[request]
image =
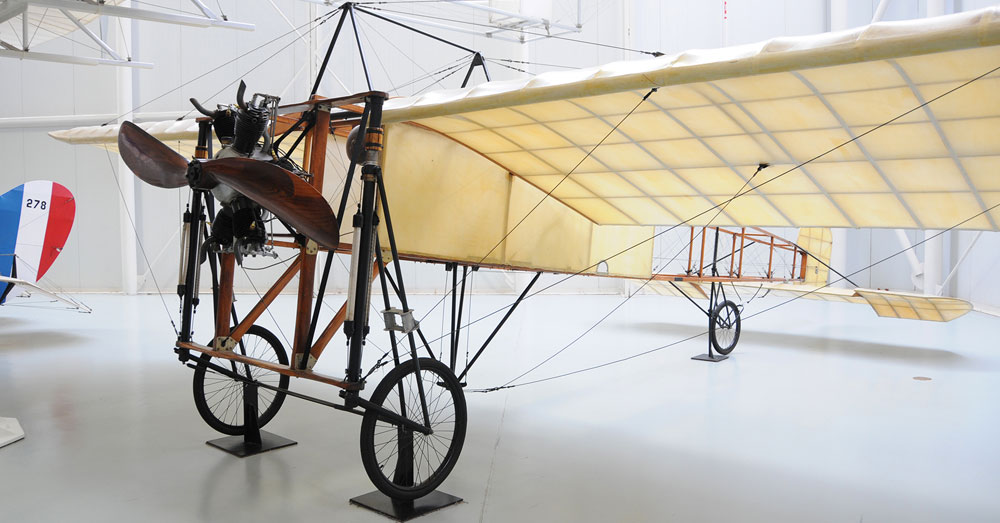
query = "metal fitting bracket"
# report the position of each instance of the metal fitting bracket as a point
(405, 324)
(224, 343)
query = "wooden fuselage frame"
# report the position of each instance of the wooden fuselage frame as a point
(303, 265)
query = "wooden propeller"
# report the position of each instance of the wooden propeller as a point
(281, 192)
(150, 159)
(277, 190)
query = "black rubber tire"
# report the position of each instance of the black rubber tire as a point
(219, 399)
(378, 436)
(724, 327)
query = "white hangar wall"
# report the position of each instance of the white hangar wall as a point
(37, 97)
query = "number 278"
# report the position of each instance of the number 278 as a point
(35, 204)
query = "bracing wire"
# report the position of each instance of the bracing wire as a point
(493, 27)
(320, 19)
(629, 297)
(556, 186)
(138, 241)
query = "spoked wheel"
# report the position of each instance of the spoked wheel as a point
(404, 464)
(724, 327)
(220, 398)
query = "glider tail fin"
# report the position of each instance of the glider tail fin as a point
(818, 242)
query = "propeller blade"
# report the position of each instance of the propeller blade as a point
(150, 159)
(282, 193)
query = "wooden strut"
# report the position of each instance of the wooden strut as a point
(227, 262)
(276, 367)
(315, 164)
(735, 274)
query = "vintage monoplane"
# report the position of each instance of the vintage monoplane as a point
(892, 125)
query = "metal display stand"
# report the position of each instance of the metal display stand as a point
(404, 510)
(713, 296)
(253, 441)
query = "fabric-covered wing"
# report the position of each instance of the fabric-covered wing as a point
(718, 113)
(887, 304)
(914, 306)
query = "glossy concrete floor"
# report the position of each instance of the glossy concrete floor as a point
(816, 417)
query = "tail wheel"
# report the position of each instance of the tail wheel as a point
(219, 398)
(404, 464)
(724, 327)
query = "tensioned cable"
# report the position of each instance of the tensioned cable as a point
(121, 29)
(443, 78)
(268, 309)
(511, 67)
(594, 367)
(254, 68)
(378, 58)
(138, 241)
(546, 35)
(321, 19)
(644, 283)
(407, 56)
(64, 37)
(35, 32)
(556, 186)
(744, 192)
(525, 62)
(20, 38)
(462, 62)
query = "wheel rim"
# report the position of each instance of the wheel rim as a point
(726, 318)
(223, 396)
(431, 453)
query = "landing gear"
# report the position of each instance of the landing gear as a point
(404, 464)
(724, 327)
(220, 398)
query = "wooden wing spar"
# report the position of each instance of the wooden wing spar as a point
(894, 125)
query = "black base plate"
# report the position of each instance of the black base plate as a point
(404, 510)
(714, 358)
(236, 445)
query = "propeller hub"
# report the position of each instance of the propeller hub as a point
(198, 179)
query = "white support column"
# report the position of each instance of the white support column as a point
(126, 180)
(24, 29)
(838, 251)
(933, 261)
(934, 245)
(838, 15)
(935, 8)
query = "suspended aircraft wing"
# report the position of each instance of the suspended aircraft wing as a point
(564, 170)
(718, 113)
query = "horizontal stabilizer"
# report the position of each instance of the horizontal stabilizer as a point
(887, 304)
